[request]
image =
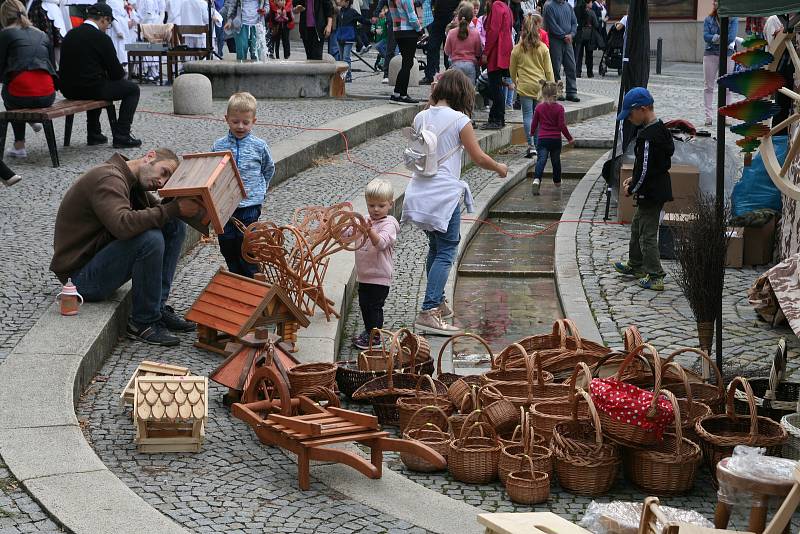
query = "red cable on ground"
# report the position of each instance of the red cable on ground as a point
(369, 167)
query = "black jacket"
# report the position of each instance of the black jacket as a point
(23, 49)
(323, 9)
(87, 58)
(651, 184)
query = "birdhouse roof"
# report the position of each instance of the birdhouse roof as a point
(234, 304)
(170, 399)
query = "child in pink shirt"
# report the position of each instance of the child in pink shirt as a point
(374, 260)
(549, 118)
(463, 44)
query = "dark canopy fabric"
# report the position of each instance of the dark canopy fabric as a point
(756, 8)
(636, 70)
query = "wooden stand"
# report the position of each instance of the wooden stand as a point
(528, 523)
(148, 368)
(170, 413)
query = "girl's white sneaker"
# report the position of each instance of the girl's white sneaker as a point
(17, 152)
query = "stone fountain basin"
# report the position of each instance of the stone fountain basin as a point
(272, 79)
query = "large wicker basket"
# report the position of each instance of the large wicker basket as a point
(449, 378)
(528, 485)
(711, 395)
(473, 459)
(535, 391)
(514, 379)
(791, 423)
(669, 467)
(408, 407)
(429, 434)
(719, 434)
(376, 358)
(573, 349)
(584, 464)
(690, 410)
(621, 430)
(545, 414)
(309, 375)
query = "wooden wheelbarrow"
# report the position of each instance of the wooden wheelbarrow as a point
(309, 433)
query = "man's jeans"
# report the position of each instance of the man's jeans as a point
(148, 260)
(442, 247)
(562, 53)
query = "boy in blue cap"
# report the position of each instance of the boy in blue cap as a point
(650, 187)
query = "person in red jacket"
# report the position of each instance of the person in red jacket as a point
(497, 57)
(281, 22)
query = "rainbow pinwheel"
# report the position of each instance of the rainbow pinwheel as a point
(753, 59)
(751, 110)
(757, 83)
(747, 129)
(754, 41)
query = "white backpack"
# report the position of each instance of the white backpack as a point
(420, 155)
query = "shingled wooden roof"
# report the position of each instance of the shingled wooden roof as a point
(171, 398)
(233, 304)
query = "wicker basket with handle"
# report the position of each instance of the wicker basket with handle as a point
(719, 434)
(535, 390)
(669, 467)
(711, 395)
(469, 404)
(583, 463)
(515, 380)
(791, 423)
(408, 407)
(528, 486)
(690, 409)
(473, 459)
(512, 456)
(502, 414)
(376, 358)
(429, 434)
(309, 375)
(449, 378)
(544, 415)
(573, 349)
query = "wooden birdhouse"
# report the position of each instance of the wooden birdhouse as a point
(213, 179)
(148, 368)
(170, 413)
(232, 305)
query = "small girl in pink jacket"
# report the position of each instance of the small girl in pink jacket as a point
(375, 259)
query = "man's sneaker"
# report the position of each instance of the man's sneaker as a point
(491, 125)
(622, 267)
(426, 81)
(430, 322)
(361, 341)
(11, 181)
(445, 311)
(154, 334)
(174, 322)
(537, 183)
(573, 98)
(93, 139)
(126, 141)
(656, 283)
(385, 81)
(17, 153)
(531, 153)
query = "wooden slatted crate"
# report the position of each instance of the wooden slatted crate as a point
(148, 368)
(170, 413)
(213, 179)
(231, 305)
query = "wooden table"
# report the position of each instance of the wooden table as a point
(528, 523)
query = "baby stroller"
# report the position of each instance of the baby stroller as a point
(612, 55)
(422, 46)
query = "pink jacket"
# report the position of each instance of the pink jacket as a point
(468, 49)
(498, 36)
(374, 263)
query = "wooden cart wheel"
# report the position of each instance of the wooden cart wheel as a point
(267, 384)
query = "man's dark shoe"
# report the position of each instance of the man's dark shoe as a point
(573, 98)
(174, 322)
(492, 126)
(96, 139)
(127, 141)
(154, 334)
(561, 98)
(425, 81)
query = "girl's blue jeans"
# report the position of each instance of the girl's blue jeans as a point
(548, 148)
(442, 247)
(508, 93)
(344, 55)
(528, 107)
(246, 41)
(467, 67)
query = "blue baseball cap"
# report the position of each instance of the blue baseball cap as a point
(635, 98)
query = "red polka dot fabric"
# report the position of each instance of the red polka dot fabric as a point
(630, 404)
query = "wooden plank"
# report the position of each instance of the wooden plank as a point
(225, 302)
(362, 419)
(528, 523)
(235, 294)
(304, 427)
(348, 437)
(212, 321)
(247, 285)
(224, 314)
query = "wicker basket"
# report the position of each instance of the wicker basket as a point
(375, 358)
(309, 375)
(544, 415)
(428, 434)
(461, 388)
(583, 463)
(690, 410)
(515, 437)
(709, 394)
(791, 423)
(474, 459)
(528, 486)
(449, 378)
(619, 430)
(774, 397)
(719, 434)
(502, 414)
(469, 403)
(574, 349)
(535, 390)
(518, 375)
(414, 347)
(408, 407)
(667, 468)
(513, 457)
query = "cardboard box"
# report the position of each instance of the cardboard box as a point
(759, 244)
(735, 248)
(685, 186)
(518, 136)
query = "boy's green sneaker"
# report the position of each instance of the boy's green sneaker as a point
(622, 267)
(656, 283)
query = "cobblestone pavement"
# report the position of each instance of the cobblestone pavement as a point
(18, 512)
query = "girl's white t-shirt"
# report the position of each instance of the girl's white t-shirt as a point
(429, 201)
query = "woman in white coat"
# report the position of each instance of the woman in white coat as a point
(121, 30)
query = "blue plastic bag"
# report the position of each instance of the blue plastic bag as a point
(755, 190)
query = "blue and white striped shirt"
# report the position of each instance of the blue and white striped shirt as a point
(254, 161)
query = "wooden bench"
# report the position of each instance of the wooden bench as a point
(61, 108)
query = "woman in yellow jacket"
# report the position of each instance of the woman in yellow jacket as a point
(530, 63)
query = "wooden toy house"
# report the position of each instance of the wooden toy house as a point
(148, 368)
(170, 413)
(213, 179)
(232, 305)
